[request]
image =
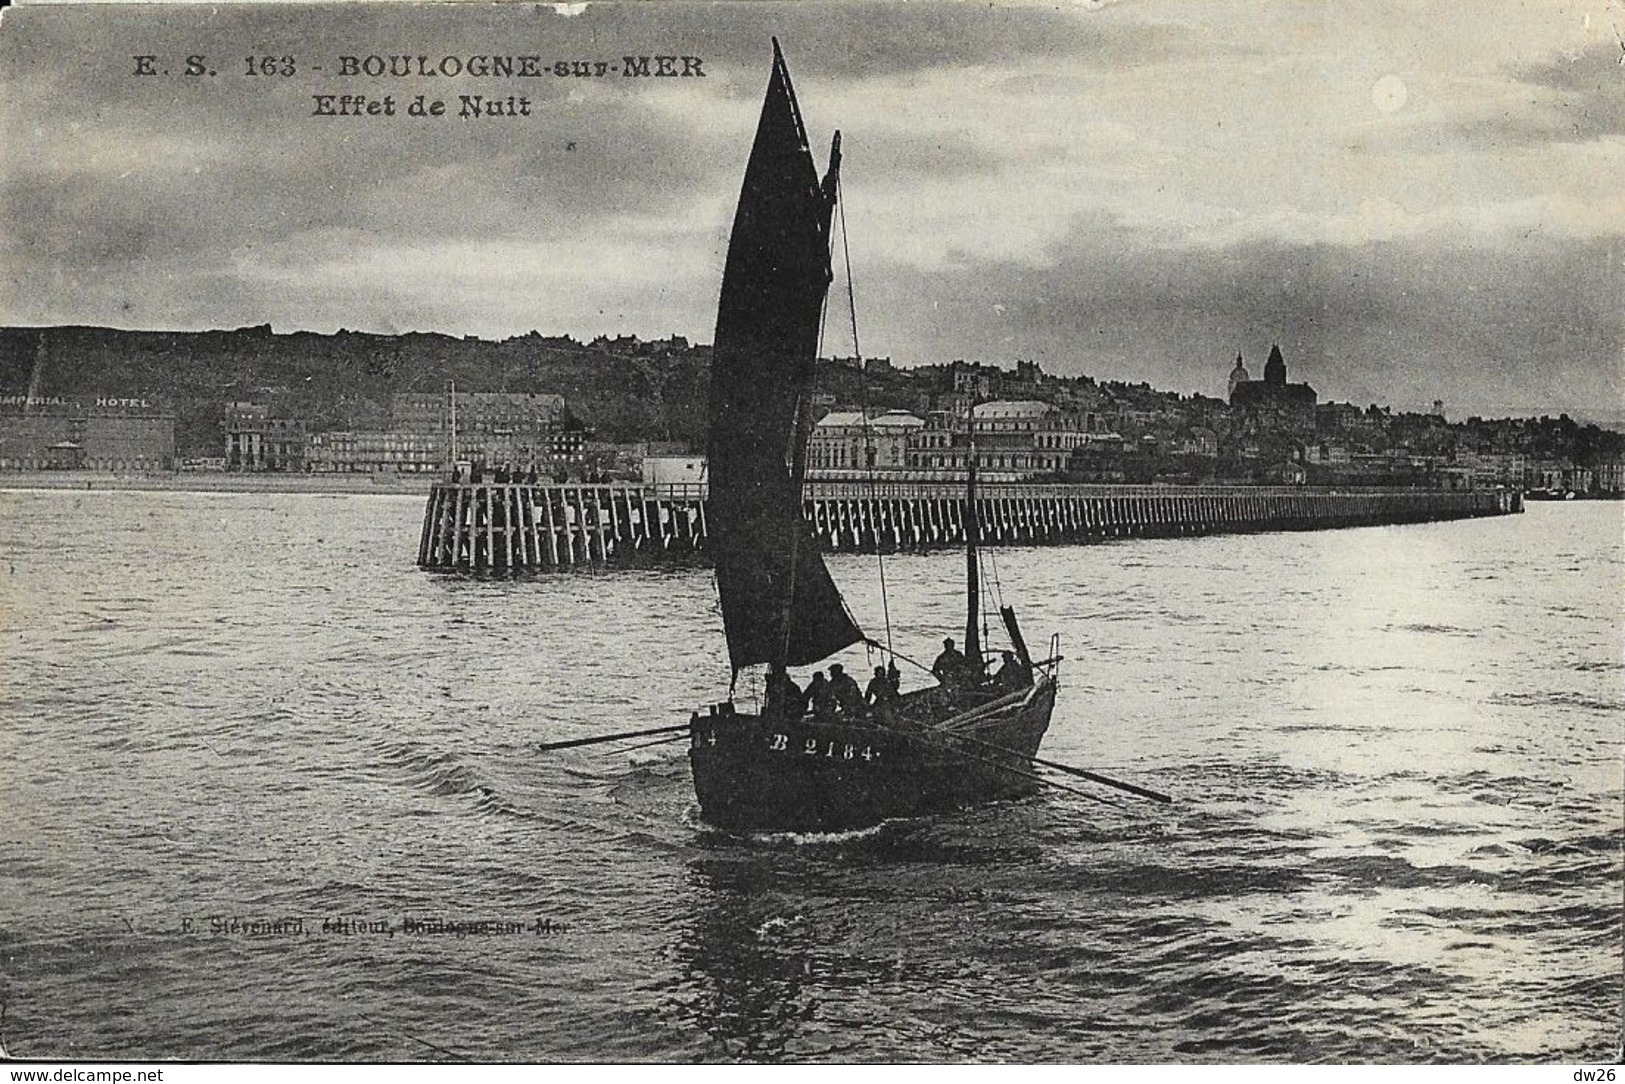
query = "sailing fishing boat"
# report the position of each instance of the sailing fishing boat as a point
(950, 745)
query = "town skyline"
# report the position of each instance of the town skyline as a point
(1414, 204)
(321, 403)
(1218, 390)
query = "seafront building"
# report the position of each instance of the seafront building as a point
(854, 440)
(521, 429)
(345, 451)
(86, 432)
(1016, 437)
(514, 430)
(258, 440)
(673, 469)
(1015, 440)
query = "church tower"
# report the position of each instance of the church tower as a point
(1275, 368)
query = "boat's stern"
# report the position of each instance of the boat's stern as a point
(801, 774)
(810, 774)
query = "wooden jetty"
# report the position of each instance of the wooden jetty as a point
(503, 526)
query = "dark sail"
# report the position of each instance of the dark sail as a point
(779, 604)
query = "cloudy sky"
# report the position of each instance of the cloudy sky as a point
(1416, 200)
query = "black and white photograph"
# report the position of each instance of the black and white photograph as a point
(840, 532)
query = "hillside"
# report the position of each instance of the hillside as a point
(623, 391)
(627, 390)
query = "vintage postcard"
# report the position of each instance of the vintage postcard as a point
(836, 532)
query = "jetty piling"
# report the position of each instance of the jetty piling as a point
(503, 526)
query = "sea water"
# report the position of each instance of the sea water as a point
(267, 791)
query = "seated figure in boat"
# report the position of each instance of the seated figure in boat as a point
(1012, 674)
(950, 667)
(820, 698)
(884, 699)
(783, 697)
(882, 690)
(848, 697)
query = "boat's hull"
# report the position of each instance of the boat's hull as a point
(811, 775)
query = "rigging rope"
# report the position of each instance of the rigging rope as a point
(998, 585)
(863, 386)
(801, 497)
(982, 556)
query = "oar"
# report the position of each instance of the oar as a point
(1007, 768)
(658, 741)
(546, 745)
(1069, 769)
(981, 709)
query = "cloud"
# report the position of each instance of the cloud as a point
(1137, 190)
(1487, 328)
(1587, 99)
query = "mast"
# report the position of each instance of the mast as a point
(798, 481)
(973, 530)
(802, 430)
(454, 426)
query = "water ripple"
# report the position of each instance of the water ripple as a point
(1396, 837)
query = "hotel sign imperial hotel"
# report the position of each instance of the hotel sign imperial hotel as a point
(86, 432)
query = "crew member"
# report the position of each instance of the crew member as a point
(950, 667)
(1013, 674)
(783, 696)
(820, 697)
(842, 686)
(881, 690)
